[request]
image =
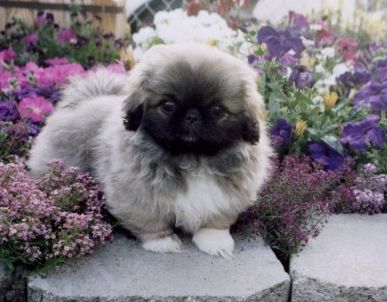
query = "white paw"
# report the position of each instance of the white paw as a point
(214, 242)
(169, 244)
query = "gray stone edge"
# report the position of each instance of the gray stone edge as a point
(277, 293)
(314, 290)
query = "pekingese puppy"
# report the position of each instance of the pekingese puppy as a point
(181, 142)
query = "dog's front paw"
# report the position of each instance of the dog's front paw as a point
(168, 244)
(214, 242)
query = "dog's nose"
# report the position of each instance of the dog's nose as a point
(192, 116)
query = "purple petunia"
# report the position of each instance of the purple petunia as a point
(373, 95)
(321, 151)
(279, 42)
(281, 133)
(359, 135)
(301, 77)
(8, 111)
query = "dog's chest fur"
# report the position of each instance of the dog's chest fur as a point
(203, 198)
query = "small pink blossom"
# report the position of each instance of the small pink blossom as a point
(7, 55)
(35, 108)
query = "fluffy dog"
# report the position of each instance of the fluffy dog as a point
(181, 142)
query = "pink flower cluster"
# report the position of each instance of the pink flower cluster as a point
(369, 191)
(51, 219)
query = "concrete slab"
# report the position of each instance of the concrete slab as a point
(346, 262)
(122, 271)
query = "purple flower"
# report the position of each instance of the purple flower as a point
(279, 42)
(361, 77)
(321, 151)
(381, 70)
(359, 135)
(32, 39)
(7, 55)
(281, 132)
(8, 111)
(33, 129)
(66, 36)
(40, 19)
(251, 59)
(301, 77)
(373, 95)
(288, 59)
(298, 21)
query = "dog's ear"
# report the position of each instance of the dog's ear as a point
(134, 106)
(133, 118)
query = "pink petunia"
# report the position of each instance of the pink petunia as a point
(57, 75)
(35, 108)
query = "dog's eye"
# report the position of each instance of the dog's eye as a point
(168, 106)
(217, 111)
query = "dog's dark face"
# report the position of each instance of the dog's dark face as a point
(190, 110)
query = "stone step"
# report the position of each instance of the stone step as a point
(122, 271)
(346, 262)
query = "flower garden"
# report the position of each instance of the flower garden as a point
(325, 89)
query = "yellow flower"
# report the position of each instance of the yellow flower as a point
(301, 126)
(212, 42)
(263, 46)
(330, 99)
(307, 61)
(126, 56)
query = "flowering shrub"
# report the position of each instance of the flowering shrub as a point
(293, 205)
(84, 42)
(46, 221)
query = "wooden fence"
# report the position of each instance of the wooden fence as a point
(112, 12)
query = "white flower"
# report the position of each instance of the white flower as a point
(176, 26)
(328, 52)
(340, 69)
(145, 34)
(315, 27)
(307, 42)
